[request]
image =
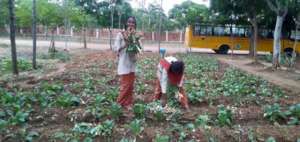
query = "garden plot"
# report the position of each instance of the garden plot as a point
(79, 105)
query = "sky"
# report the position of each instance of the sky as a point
(167, 4)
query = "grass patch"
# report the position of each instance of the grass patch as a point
(62, 56)
(6, 65)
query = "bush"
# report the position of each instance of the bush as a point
(6, 65)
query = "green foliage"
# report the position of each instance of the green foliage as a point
(116, 110)
(202, 120)
(133, 44)
(161, 138)
(157, 110)
(271, 139)
(6, 65)
(104, 129)
(67, 100)
(189, 12)
(224, 116)
(31, 135)
(139, 110)
(136, 127)
(61, 55)
(274, 113)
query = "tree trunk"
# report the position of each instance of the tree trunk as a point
(46, 32)
(255, 27)
(112, 26)
(120, 17)
(277, 42)
(251, 51)
(52, 49)
(34, 34)
(11, 4)
(84, 38)
(294, 56)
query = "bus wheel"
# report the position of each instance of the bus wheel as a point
(216, 51)
(223, 49)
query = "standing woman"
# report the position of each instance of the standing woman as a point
(126, 63)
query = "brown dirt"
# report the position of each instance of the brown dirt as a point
(47, 122)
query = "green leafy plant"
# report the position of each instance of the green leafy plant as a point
(139, 110)
(133, 43)
(274, 113)
(6, 65)
(157, 110)
(224, 116)
(136, 127)
(161, 138)
(67, 100)
(104, 129)
(115, 110)
(82, 128)
(202, 120)
(271, 139)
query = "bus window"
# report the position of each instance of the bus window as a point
(241, 32)
(196, 31)
(209, 31)
(203, 30)
(219, 31)
(227, 31)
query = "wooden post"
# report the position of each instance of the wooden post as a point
(167, 36)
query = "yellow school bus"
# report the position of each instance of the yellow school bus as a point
(221, 39)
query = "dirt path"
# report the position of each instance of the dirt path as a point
(287, 80)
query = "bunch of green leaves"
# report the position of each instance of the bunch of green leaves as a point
(196, 66)
(161, 138)
(171, 96)
(6, 65)
(136, 127)
(104, 129)
(139, 110)
(274, 113)
(180, 129)
(133, 43)
(202, 121)
(115, 110)
(66, 100)
(15, 108)
(196, 96)
(157, 110)
(224, 116)
(294, 114)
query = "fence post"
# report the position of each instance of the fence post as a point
(72, 32)
(153, 36)
(57, 30)
(180, 37)
(167, 36)
(97, 33)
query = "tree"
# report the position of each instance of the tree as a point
(4, 13)
(34, 33)
(188, 12)
(11, 7)
(280, 7)
(295, 8)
